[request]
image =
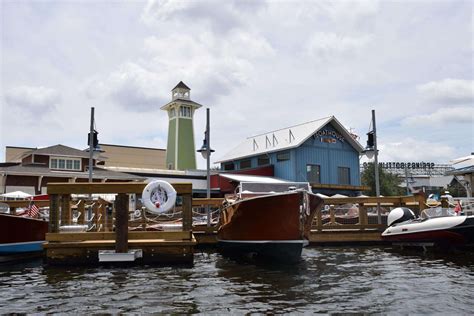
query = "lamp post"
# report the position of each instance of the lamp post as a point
(91, 144)
(206, 151)
(371, 151)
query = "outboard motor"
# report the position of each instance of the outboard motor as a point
(400, 214)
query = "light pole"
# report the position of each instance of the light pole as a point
(206, 151)
(371, 151)
(91, 144)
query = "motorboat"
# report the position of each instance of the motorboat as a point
(267, 221)
(21, 234)
(435, 227)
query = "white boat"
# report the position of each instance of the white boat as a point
(436, 226)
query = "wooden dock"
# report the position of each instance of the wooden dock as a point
(331, 226)
(162, 247)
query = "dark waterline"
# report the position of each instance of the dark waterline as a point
(328, 280)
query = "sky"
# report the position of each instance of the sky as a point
(258, 65)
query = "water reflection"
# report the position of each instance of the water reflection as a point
(332, 279)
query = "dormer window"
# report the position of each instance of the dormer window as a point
(65, 163)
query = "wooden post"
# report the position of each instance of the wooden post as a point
(53, 213)
(65, 209)
(143, 219)
(363, 218)
(332, 215)
(121, 223)
(187, 212)
(420, 197)
(444, 202)
(81, 209)
(319, 218)
(95, 210)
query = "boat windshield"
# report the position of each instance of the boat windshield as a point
(260, 188)
(437, 212)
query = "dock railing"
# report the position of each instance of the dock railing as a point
(117, 229)
(352, 213)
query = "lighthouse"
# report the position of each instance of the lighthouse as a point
(180, 149)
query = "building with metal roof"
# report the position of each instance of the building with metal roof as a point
(322, 152)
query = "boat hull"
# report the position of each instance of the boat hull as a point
(21, 234)
(275, 226)
(443, 231)
(288, 251)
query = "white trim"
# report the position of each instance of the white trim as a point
(65, 163)
(176, 145)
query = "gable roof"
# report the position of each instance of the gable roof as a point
(58, 150)
(286, 138)
(182, 86)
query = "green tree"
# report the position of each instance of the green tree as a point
(389, 183)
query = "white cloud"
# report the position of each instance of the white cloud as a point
(448, 91)
(37, 100)
(132, 86)
(326, 46)
(221, 16)
(219, 65)
(444, 117)
(416, 150)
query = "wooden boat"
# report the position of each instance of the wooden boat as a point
(21, 234)
(268, 225)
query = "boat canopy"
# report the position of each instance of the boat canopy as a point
(261, 187)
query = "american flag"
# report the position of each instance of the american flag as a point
(33, 210)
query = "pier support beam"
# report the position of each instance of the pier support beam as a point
(121, 223)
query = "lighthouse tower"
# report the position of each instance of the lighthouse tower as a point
(180, 150)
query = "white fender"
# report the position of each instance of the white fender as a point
(159, 196)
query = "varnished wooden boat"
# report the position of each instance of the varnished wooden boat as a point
(21, 234)
(274, 226)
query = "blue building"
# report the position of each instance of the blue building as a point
(322, 152)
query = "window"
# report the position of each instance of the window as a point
(245, 164)
(343, 175)
(229, 166)
(313, 173)
(172, 112)
(283, 156)
(185, 111)
(263, 160)
(65, 163)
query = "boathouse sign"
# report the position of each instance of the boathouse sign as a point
(328, 136)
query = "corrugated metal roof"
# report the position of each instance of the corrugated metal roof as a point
(286, 138)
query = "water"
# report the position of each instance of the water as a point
(328, 280)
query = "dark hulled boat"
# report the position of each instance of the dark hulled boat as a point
(274, 226)
(21, 234)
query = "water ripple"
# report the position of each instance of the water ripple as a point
(328, 280)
